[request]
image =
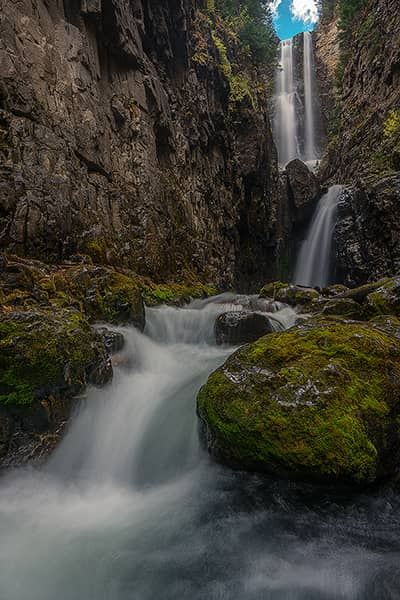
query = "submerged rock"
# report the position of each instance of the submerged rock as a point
(319, 402)
(239, 327)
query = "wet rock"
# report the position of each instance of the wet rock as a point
(239, 327)
(47, 357)
(114, 341)
(385, 299)
(345, 307)
(304, 189)
(318, 402)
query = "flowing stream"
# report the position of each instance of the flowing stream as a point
(130, 507)
(314, 264)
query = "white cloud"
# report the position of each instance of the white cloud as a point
(304, 10)
(274, 5)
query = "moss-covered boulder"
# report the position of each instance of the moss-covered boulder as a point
(320, 402)
(47, 356)
(271, 289)
(345, 307)
(385, 300)
(48, 352)
(290, 294)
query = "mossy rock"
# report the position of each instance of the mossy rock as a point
(334, 290)
(359, 294)
(271, 289)
(48, 352)
(345, 307)
(385, 300)
(320, 402)
(175, 293)
(297, 295)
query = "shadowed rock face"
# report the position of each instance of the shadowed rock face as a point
(240, 327)
(114, 142)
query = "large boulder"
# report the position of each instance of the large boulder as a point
(303, 188)
(290, 293)
(320, 402)
(47, 357)
(239, 327)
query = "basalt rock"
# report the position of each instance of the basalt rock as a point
(320, 402)
(367, 234)
(47, 357)
(303, 190)
(239, 327)
(119, 138)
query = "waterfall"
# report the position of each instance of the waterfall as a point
(285, 122)
(295, 113)
(310, 152)
(313, 267)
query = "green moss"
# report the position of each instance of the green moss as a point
(315, 402)
(97, 250)
(41, 350)
(171, 292)
(270, 289)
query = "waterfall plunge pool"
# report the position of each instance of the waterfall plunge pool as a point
(130, 507)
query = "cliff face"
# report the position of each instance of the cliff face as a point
(362, 143)
(118, 138)
(362, 107)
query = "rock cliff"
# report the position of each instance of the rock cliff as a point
(119, 138)
(358, 67)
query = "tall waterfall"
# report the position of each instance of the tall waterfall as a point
(314, 263)
(310, 151)
(296, 103)
(285, 122)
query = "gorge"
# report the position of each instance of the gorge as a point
(162, 436)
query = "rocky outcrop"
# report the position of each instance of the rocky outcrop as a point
(47, 357)
(239, 327)
(367, 234)
(303, 190)
(299, 404)
(119, 138)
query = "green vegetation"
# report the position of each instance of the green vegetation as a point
(43, 352)
(174, 293)
(386, 158)
(316, 402)
(235, 37)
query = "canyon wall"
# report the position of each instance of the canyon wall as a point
(360, 83)
(120, 138)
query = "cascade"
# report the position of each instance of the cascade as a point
(295, 114)
(314, 264)
(131, 506)
(310, 151)
(285, 121)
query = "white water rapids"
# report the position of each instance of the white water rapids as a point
(130, 507)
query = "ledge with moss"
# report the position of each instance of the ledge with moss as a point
(320, 402)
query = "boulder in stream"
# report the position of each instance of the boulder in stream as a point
(240, 327)
(319, 402)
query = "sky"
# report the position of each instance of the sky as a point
(293, 16)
